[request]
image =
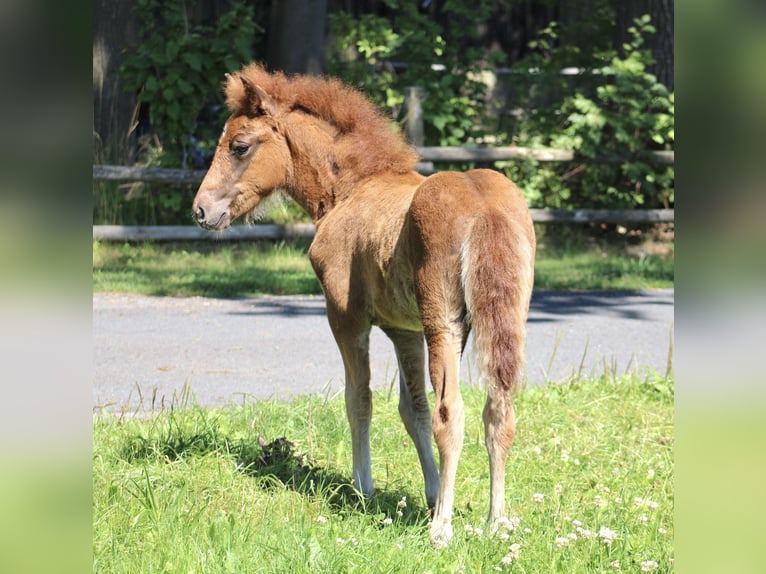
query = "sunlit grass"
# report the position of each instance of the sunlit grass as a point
(265, 487)
(234, 269)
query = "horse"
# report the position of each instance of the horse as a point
(422, 258)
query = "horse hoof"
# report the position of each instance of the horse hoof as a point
(441, 534)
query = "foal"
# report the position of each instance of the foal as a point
(419, 257)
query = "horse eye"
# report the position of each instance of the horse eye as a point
(239, 149)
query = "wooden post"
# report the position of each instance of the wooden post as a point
(413, 119)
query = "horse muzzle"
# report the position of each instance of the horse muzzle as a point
(210, 218)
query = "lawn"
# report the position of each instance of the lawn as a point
(244, 269)
(264, 487)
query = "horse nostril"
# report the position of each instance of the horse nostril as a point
(200, 215)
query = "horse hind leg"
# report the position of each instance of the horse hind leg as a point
(499, 430)
(448, 423)
(413, 403)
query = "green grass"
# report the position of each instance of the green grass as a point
(194, 490)
(211, 269)
(224, 269)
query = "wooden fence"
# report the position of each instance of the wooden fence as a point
(429, 155)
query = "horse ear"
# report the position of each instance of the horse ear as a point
(256, 100)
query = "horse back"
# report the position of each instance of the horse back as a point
(446, 204)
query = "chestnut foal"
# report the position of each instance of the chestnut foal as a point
(432, 257)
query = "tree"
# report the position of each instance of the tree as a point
(113, 107)
(297, 35)
(660, 43)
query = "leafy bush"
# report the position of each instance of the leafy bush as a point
(628, 115)
(177, 68)
(442, 59)
(613, 108)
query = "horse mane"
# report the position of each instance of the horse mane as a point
(367, 143)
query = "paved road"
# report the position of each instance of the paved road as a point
(147, 348)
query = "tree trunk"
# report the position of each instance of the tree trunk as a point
(113, 28)
(296, 36)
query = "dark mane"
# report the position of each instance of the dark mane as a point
(367, 141)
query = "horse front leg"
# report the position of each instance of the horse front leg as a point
(413, 403)
(354, 343)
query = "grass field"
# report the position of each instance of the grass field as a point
(224, 269)
(264, 487)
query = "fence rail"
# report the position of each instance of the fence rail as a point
(429, 155)
(306, 230)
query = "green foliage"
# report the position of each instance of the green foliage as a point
(177, 68)
(441, 59)
(627, 116)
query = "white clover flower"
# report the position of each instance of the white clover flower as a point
(527, 531)
(599, 501)
(564, 456)
(650, 473)
(473, 531)
(504, 536)
(651, 505)
(399, 513)
(576, 523)
(661, 530)
(537, 450)
(340, 540)
(387, 521)
(537, 497)
(638, 501)
(558, 488)
(576, 462)
(561, 541)
(507, 559)
(606, 535)
(615, 564)
(402, 503)
(504, 522)
(649, 565)
(643, 519)
(586, 534)
(322, 519)
(572, 536)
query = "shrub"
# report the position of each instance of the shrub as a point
(629, 115)
(177, 69)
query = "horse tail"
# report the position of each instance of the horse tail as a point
(497, 273)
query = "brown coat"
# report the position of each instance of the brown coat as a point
(422, 258)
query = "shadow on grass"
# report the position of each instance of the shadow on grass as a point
(208, 269)
(276, 465)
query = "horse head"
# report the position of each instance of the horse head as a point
(251, 161)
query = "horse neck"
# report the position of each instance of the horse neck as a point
(315, 182)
